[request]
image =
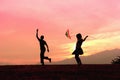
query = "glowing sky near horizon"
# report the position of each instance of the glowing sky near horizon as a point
(19, 19)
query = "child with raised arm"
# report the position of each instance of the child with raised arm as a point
(78, 51)
(42, 43)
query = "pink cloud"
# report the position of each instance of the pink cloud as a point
(81, 14)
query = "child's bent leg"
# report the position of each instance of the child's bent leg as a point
(48, 59)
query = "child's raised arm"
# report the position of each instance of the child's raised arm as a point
(85, 38)
(37, 34)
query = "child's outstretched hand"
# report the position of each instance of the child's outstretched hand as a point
(85, 38)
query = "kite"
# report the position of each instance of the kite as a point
(68, 34)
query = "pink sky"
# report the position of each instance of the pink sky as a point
(99, 19)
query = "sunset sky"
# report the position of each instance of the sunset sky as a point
(19, 19)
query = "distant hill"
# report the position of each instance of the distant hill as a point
(104, 57)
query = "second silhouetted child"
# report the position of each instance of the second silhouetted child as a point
(78, 51)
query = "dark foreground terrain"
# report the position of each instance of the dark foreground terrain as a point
(60, 72)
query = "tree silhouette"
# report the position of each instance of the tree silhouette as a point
(116, 60)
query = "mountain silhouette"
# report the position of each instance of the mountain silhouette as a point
(104, 57)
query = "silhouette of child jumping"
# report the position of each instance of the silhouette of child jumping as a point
(42, 43)
(78, 51)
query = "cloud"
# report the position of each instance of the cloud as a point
(7, 32)
(113, 26)
(79, 13)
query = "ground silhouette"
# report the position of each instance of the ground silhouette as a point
(60, 72)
